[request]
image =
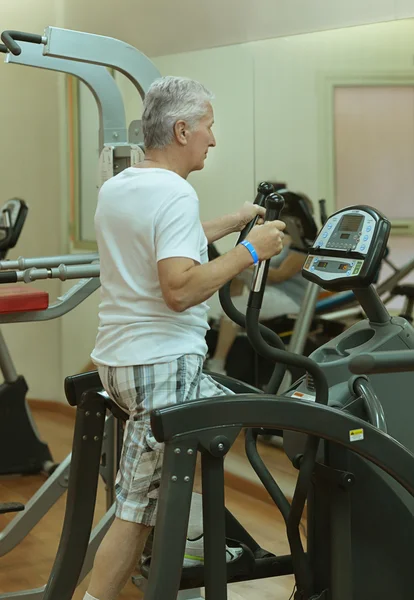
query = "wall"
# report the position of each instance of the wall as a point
(30, 169)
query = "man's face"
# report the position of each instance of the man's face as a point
(201, 139)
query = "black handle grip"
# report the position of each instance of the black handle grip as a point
(8, 277)
(10, 38)
(263, 190)
(399, 361)
(322, 211)
(274, 206)
(4, 49)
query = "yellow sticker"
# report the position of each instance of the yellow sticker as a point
(356, 435)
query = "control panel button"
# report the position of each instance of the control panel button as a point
(365, 238)
(362, 248)
(369, 228)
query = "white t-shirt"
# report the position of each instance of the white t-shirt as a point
(143, 216)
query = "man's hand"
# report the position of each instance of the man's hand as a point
(248, 212)
(267, 239)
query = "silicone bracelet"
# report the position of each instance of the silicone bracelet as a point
(251, 249)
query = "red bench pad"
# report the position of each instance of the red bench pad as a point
(20, 298)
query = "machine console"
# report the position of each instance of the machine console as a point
(349, 249)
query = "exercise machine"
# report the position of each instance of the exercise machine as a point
(358, 482)
(21, 450)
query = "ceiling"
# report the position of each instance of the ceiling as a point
(159, 27)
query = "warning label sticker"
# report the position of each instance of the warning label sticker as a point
(356, 435)
(301, 396)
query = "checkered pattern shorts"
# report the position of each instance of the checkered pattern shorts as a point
(139, 390)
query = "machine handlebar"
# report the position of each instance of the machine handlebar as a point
(263, 191)
(10, 39)
(8, 277)
(383, 362)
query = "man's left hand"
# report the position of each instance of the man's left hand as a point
(248, 212)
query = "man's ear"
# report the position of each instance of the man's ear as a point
(181, 132)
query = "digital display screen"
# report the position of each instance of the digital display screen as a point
(350, 223)
(322, 264)
(345, 236)
(343, 267)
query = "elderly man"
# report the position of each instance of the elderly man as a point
(155, 278)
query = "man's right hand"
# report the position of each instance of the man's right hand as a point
(267, 239)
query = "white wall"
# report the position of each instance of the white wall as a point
(30, 169)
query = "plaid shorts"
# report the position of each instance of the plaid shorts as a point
(139, 390)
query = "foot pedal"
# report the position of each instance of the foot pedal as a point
(193, 577)
(6, 507)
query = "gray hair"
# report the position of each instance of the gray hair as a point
(168, 100)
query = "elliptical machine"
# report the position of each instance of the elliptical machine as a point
(359, 482)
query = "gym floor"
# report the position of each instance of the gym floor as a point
(28, 565)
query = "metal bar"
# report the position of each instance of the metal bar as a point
(70, 300)
(302, 327)
(372, 305)
(372, 404)
(113, 128)
(102, 50)
(278, 412)
(304, 320)
(6, 362)
(176, 487)
(341, 532)
(48, 262)
(35, 509)
(214, 527)
(34, 594)
(398, 361)
(80, 505)
(61, 272)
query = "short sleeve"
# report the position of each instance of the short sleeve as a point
(178, 229)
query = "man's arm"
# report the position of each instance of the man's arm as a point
(222, 226)
(185, 283)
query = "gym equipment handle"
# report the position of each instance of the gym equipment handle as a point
(8, 277)
(3, 49)
(399, 361)
(9, 38)
(372, 404)
(322, 211)
(274, 206)
(263, 190)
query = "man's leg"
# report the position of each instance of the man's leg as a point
(136, 484)
(117, 558)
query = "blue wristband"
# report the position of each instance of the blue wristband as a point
(251, 249)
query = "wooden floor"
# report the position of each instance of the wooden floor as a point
(28, 565)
